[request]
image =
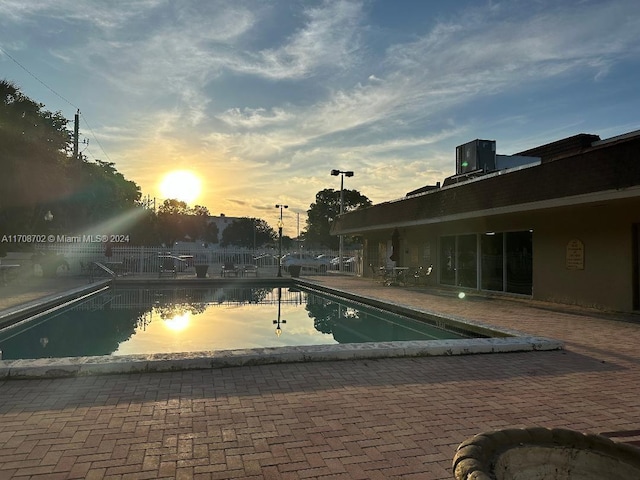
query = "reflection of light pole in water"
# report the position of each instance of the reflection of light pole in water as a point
(278, 321)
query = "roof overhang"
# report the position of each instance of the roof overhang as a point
(575, 200)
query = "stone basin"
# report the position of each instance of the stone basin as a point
(544, 454)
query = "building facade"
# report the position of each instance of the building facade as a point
(559, 223)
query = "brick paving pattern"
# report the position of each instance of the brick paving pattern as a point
(364, 419)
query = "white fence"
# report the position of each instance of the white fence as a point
(146, 260)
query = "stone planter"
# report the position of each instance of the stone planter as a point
(294, 270)
(49, 263)
(543, 454)
(201, 271)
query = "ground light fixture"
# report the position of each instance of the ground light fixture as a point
(280, 225)
(342, 173)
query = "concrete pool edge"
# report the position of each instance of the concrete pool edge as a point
(12, 315)
(101, 365)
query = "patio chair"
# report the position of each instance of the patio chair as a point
(381, 274)
(425, 273)
(400, 277)
(229, 268)
(167, 267)
(250, 270)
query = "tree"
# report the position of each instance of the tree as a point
(178, 221)
(97, 193)
(33, 143)
(325, 210)
(248, 232)
(39, 175)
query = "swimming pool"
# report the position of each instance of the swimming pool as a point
(149, 300)
(156, 320)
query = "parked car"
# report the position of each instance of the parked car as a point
(348, 263)
(265, 260)
(306, 260)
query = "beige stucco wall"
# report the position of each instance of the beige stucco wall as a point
(606, 281)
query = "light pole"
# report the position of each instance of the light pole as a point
(342, 174)
(280, 225)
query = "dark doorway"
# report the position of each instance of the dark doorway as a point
(467, 261)
(492, 248)
(519, 246)
(448, 260)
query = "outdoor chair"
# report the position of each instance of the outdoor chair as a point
(381, 274)
(419, 275)
(229, 268)
(250, 270)
(399, 278)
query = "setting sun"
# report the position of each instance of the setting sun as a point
(182, 185)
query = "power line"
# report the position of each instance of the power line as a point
(59, 96)
(34, 76)
(95, 138)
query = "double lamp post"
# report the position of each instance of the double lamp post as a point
(342, 174)
(280, 225)
(335, 173)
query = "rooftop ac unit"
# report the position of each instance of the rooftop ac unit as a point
(476, 155)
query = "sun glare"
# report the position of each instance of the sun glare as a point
(178, 322)
(182, 185)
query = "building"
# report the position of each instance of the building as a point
(222, 222)
(559, 222)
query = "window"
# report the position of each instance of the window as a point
(491, 246)
(467, 261)
(519, 262)
(448, 260)
(506, 261)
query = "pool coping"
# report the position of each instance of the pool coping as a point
(14, 314)
(512, 341)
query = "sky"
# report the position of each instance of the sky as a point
(262, 99)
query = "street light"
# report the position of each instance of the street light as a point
(342, 174)
(280, 225)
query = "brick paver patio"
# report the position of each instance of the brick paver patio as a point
(365, 419)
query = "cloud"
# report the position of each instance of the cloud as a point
(327, 40)
(489, 50)
(255, 118)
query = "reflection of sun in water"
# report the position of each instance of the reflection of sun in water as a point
(182, 185)
(178, 323)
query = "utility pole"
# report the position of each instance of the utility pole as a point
(76, 134)
(300, 247)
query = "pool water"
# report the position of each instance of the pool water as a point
(123, 321)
